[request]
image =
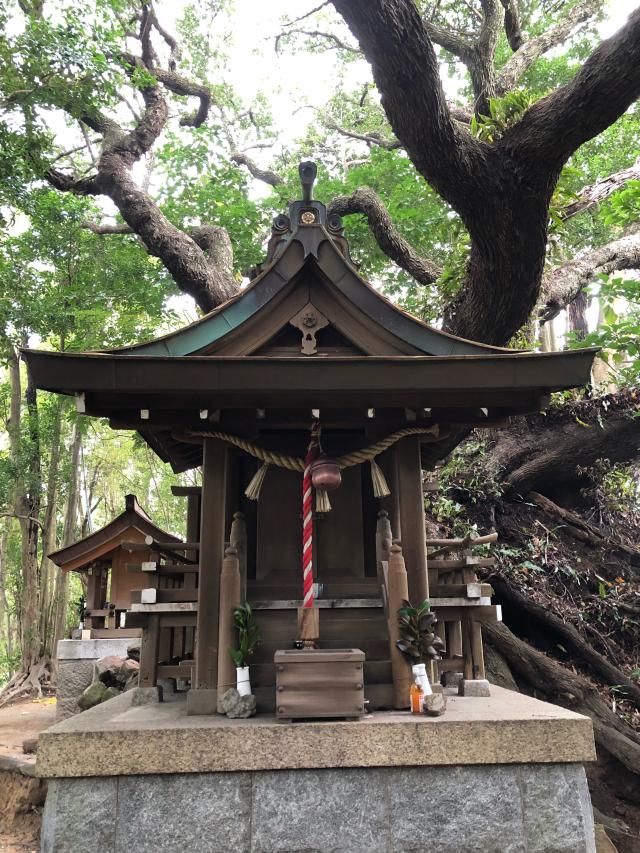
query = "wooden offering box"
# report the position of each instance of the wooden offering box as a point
(319, 683)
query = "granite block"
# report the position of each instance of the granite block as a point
(79, 816)
(202, 702)
(199, 812)
(519, 808)
(557, 809)
(66, 708)
(320, 811)
(92, 649)
(74, 676)
(467, 809)
(477, 688)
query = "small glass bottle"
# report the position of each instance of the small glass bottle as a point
(416, 697)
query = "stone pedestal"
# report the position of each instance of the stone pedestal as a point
(502, 774)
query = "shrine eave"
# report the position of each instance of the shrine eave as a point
(82, 553)
(216, 381)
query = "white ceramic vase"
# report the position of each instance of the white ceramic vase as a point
(420, 675)
(243, 685)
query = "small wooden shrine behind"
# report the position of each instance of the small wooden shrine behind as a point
(105, 567)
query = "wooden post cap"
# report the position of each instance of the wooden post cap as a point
(231, 550)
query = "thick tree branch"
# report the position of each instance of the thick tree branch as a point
(593, 195)
(405, 68)
(371, 138)
(456, 44)
(527, 53)
(96, 228)
(338, 43)
(364, 200)
(512, 24)
(267, 176)
(181, 86)
(561, 285)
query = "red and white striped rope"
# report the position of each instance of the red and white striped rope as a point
(307, 516)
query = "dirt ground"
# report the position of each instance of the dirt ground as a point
(21, 833)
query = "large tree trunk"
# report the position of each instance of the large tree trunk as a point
(61, 597)
(31, 640)
(47, 568)
(526, 458)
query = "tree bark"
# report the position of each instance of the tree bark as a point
(30, 637)
(47, 568)
(524, 459)
(61, 594)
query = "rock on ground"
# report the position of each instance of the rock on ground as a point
(236, 706)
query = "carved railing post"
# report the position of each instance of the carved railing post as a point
(397, 591)
(383, 545)
(238, 538)
(229, 598)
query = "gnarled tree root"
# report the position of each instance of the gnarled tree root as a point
(563, 687)
(26, 684)
(599, 664)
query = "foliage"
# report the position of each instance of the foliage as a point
(618, 333)
(416, 625)
(248, 635)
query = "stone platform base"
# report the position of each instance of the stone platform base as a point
(520, 808)
(493, 775)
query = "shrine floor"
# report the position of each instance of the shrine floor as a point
(496, 774)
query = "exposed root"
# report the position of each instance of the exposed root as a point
(563, 687)
(26, 684)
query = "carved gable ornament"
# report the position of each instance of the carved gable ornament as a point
(309, 321)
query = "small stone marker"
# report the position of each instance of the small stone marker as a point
(478, 687)
(236, 706)
(435, 705)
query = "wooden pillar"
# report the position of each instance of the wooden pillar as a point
(475, 630)
(149, 652)
(396, 592)
(412, 520)
(238, 538)
(201, 699)
(230, 586)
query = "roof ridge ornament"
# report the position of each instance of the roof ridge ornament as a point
(307, 222)
(308, 172)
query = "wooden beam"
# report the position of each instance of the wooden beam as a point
(214, 477)
(412, 519)
(186, 491)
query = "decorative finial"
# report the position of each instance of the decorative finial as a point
(308, 171)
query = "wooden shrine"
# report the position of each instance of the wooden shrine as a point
(105, 566)
(307, 341)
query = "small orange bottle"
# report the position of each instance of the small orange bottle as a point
(416, 696)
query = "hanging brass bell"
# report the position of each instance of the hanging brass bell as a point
(325, 473)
